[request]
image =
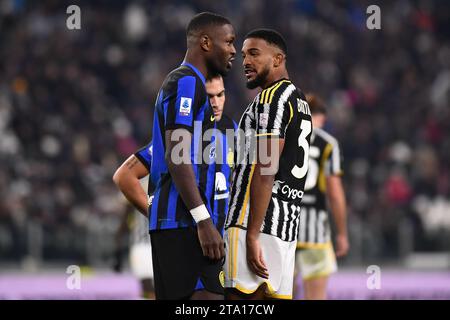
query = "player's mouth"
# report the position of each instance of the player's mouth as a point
(249, 73)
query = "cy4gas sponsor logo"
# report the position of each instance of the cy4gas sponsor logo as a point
(291, 193)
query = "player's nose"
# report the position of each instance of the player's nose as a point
(233, 50)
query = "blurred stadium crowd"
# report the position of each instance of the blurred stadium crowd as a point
(75, 103)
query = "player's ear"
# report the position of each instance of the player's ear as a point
(278, 59)
(205, 42)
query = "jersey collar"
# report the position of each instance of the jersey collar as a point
(276, 82)
(201, 76)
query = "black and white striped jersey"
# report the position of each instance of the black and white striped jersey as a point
(279, 111)
(325, 159)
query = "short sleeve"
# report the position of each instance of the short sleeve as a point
(274, 111)
(182, 104)
(334, 160)
(145, 155)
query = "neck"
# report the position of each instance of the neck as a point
(197, 61)
(275, 76)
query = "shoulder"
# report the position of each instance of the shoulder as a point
(145, 154)
(179, 73)
(277, 94)
(326, 137)
(147, 149)
(184, 78)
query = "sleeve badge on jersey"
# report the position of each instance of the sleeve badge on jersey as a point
(263, 120)
(185, 106)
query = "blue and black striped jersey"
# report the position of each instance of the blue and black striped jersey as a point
(145, 155)
(226, 142)
(225, 137)
(182, 102)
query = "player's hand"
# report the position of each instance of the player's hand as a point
(255, 258)
(210, 239)
(342, 245)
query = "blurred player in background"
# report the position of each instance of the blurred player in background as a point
(262, 223)
(132, 180)
(315, 258)
(225, 134)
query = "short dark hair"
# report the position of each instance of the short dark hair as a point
(270, 36)
(316, 104)
(204, 20)
(217, 76)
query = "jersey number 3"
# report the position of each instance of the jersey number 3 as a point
(300, 172)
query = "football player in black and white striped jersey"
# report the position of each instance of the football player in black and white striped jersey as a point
(269, 177)
(315, 257)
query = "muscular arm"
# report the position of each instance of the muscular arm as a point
(338, 206)
(127, 178)
(178, 150)
(260, 194)
(181, 170)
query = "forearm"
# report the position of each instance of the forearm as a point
(127, 178)
(184, 179)
(260, 195)
(132, 190)
(178, 159)
(338, 206)
(269, 151)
